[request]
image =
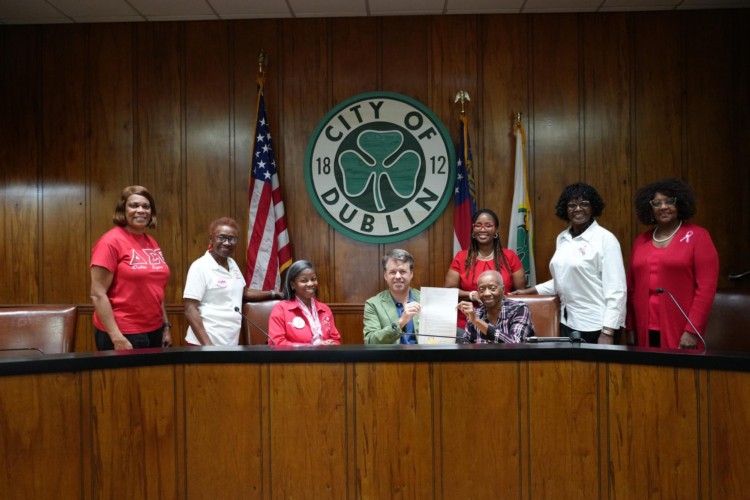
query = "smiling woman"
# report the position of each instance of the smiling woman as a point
(587, 269)
(485, 253)
(677, 257)
(214, 289)
(300, 319)
(129, 277)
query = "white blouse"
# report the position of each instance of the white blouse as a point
(589, 276)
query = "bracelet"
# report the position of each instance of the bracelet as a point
(608, 333)
(471, 295)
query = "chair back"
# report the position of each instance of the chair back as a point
(728, 324)
(258, 313)
(545, 313)
(42, 328)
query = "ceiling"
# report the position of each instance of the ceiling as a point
(97, 11)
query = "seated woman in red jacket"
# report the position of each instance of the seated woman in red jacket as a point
(299, 319)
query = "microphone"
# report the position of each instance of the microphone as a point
(20, 349)
(427, 335)
(575, 338)
(697, 332)
(544, 340)
(261, 330)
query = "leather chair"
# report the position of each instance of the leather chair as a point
(258, 312)
(545, 313)
(729, 322)
(38, 329)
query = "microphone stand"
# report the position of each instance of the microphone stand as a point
(261, 330)
(684, 314)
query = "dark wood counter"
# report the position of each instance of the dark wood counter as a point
(544, 421)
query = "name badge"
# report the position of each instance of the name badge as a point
(298, 322)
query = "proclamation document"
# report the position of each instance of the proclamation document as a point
(437, 320)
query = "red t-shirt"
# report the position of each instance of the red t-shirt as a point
(139, 281)
(470, 283)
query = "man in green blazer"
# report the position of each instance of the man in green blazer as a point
(392, 316)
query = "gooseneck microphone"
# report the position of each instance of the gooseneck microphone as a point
(261, 330)
(427, 335)
(575, 338)
(697, 332)
(21, 349)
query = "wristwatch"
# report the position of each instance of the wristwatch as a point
(395, 327)
(167, 324)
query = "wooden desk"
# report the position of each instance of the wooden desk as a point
(516, 421)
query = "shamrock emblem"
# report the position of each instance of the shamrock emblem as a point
(379, 162)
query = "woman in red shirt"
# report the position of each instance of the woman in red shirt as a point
(129, 277)
(674, 258)
(486, 253)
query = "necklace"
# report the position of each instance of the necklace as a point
(662, 240)
(488, 256)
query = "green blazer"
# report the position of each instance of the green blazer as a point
(380, 314)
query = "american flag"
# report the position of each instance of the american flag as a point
(269, 251)
(464, 205)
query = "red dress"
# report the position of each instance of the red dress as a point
(688, 268)
(470, 283)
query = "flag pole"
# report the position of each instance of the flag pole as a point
(465, 191)
(269, 250)
(521, 228)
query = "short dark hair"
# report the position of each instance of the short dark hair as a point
(294, 270)
(399, 255)
(222, 221)
(671, 187)
(119, 216)
(582, 191)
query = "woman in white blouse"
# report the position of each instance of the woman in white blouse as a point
(587, 270)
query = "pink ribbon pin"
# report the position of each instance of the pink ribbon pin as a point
(686, 238)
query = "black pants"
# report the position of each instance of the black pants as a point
(654, 338)
(137, 340)
(589, 337)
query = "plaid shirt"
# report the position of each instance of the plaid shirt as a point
(513, 325)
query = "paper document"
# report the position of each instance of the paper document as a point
(437, 319)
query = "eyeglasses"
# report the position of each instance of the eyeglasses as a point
(486, 225)
(581, 204)
(670, 202)
(224, 239)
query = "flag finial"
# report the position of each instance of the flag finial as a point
(262, 61)
(462, 96)
(518, 118)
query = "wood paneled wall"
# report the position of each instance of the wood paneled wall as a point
(616, 100)
(509, 429)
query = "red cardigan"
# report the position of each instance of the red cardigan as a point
(281, 330)
(688, 268)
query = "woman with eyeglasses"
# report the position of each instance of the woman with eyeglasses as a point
(214, 288)
(674, 258)
(587, 269)
(485, 253)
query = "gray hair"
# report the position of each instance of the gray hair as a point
(495, 274)
(398, 255)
